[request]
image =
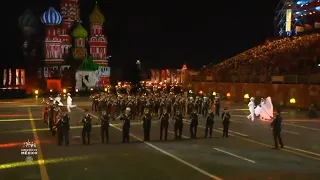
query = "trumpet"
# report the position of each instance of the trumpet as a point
(119, 117)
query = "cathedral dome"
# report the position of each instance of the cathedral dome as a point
(96, 17)
(28, 22)
(51, 17)
(79, 32)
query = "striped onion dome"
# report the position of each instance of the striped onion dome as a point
(28, 22)
(51, 17)
(96, 17)
(79, 32)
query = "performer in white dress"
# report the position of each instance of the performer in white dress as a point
(69, 103)
(265, 109)
(269, 108)
(259, 111)
(251, 109)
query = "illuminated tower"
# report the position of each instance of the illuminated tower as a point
(97, 40)
(79, 34)
(52, 50)
(285, 18)
(70, 13)
(138, 63)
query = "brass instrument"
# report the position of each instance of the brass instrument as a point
(57, 119)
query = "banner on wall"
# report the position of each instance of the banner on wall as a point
(158, 77)
(5, 77)
(17, 77)
(22, 77)
(168, 75)
(153, 74)
(163, 75)
(10, 77)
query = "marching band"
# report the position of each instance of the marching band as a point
(163, 106)
(126, 108)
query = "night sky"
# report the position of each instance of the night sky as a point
(163, 34)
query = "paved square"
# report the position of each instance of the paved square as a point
(246, 154)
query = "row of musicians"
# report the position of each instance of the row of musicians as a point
(63, 126)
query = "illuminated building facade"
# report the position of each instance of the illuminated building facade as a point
(66, 40)
(172, 76)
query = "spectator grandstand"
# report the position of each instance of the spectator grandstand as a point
(287, 56)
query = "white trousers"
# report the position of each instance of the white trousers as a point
(69, 106)
(251, 115)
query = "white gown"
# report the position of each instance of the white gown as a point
(69, 104)
(265, 110)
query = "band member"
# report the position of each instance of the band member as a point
(49, 113)
(225, 122)
(63, 127)
(46, 109)
(194, 124)
(190, 106)
(209, 125)
(126, 126)
(69, 103)
(95, 102)
(205, 106)
(178, 125)
(164, 124)
(86, 130)
(104, 120)
(56, 117)
(57, 100)
(276, 130)
(146, 124)
(217, 105)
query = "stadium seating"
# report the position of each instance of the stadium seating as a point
(286, 56)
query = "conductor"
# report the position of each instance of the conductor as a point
(276, 130)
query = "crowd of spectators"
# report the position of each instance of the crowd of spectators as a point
(287, 56)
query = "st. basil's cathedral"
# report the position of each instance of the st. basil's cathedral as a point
(73, 58)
